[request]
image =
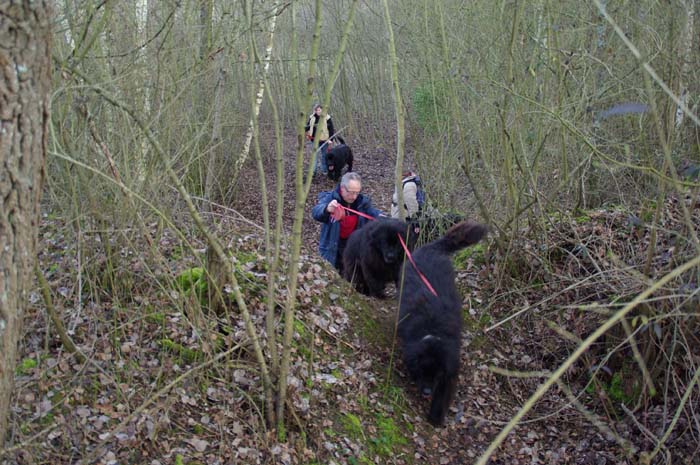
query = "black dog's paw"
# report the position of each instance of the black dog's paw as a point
(437, 422)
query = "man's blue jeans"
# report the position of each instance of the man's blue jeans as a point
(321, 164)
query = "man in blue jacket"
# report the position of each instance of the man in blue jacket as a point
(338, 223)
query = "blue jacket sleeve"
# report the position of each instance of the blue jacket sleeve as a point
(375, 212)
(319, 212)
(369, 209)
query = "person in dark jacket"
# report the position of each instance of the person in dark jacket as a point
(338, 223)
(323, 125)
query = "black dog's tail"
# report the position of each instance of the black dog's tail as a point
(458, 237)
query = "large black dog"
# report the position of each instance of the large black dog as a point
(373, 256)
(430, 327)
(337, 157)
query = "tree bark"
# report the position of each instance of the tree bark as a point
(687, 41)
(260, 95)
(24, 116)
(215, 160)
(398, 106)
(301, 190)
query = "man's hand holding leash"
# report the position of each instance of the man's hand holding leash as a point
(336, 210)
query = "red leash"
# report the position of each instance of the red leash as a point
(415, 267)
(405, 248)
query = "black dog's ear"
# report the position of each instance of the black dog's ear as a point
(373, 234)
(377, 237)
(402, 229)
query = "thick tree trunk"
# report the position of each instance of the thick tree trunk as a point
(24, 116)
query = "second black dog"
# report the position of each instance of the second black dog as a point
(430, 326)
(337, 157)
(373, 256)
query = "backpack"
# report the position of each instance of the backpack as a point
(420, 193)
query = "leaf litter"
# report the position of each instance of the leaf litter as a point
(342, 382)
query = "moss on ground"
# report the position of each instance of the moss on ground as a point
(475, 253)
(379, 427)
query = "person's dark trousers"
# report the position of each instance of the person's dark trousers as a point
(339, 258)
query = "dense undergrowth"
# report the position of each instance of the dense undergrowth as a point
(166, 381)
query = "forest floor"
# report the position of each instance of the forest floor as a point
(148, 393)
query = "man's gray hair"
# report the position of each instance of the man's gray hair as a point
(350, 176)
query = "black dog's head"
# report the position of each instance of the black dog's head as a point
(384, 238)
(425, 361)
(336, 158)
(334, 167)
(433, 363)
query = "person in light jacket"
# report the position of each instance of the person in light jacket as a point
(410, 196)
(325, 130)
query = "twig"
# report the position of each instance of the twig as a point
(229, 209)
(528, 307)
(645, 65)
(677, 415)
(197, 218)
(25, 445)
(649, 434)
(60, 329)
(150, 400)
(629, 448)
(483, 460)
(520, 374)
(638, 357)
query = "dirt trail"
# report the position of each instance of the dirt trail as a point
(484, 402)
(374, 164)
